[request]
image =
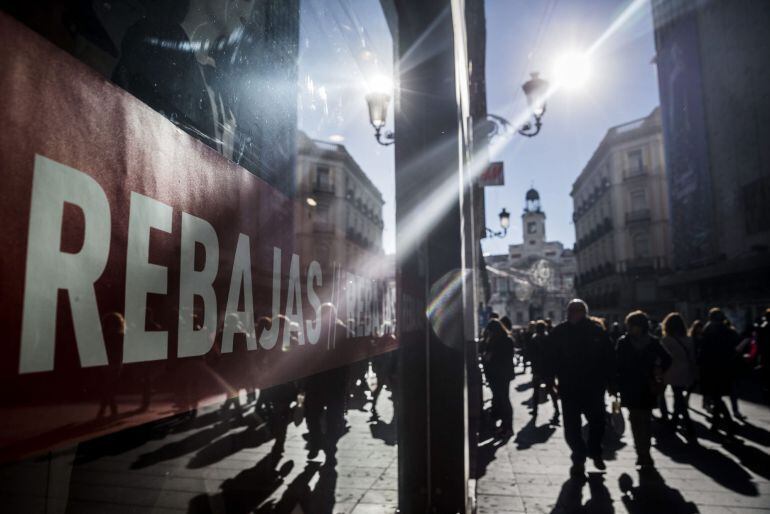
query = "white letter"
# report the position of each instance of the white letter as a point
(294, 299)
(142, 277)
(235, 320)
(268, 338)
(314, 327)
(49, 269)
(194, 283)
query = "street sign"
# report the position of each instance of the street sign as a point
(493, 175)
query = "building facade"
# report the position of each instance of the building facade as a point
(338, 209)
(621, 218)
(712, 65)
(535, 279)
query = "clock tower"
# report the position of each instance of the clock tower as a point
(533, 224)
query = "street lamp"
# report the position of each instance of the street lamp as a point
(505, 222)
(378, 101)
(535, 89)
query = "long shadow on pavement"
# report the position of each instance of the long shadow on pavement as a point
(246, 491)
(531, 434)
(709, 461)
(570, 499)
(652, 495)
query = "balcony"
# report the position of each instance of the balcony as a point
(635, 173)
(323, 187)
(638, 216)
(640, 264)
(599, 231)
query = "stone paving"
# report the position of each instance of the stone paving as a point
(530, 473)
(213, 463)
(217, 463)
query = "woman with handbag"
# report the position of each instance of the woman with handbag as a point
(641, 363)
(682, 373)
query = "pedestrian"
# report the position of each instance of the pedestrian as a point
(641, 364)
(541, 375)
(744, 363)
(696, 335)
(581, 358)
(717, 362)
(763, 347)
(682, 373)
(498, 367)
(615, 332)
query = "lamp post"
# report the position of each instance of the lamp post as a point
(505, 222)
(536, 91)
(378, 102)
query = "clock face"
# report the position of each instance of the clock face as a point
(532, 227)
(541, 272)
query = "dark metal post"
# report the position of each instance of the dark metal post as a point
(433, 455)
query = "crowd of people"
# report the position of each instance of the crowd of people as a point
(581, 361)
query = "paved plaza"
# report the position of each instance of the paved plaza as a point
(530, 473)
(217, 462)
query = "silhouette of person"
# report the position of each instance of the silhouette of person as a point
(325, 394)
(717, 358)
(641, 363)
(540, 374)
(114, 328)
(498, 367)
(582, 360)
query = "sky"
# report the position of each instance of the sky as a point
(345, 46)
(525, 36)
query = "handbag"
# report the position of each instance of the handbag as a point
(617, 422)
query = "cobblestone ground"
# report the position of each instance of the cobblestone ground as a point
(530, 473)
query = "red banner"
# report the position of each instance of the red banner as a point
(142, 269)
(493, 175)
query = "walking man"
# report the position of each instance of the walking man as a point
(583, 363)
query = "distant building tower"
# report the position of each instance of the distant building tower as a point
(535, 279)
(533, 224)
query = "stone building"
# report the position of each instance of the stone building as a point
(338, 216)
(621, 218)
(534, 279)
(712, 73)
(338, 222)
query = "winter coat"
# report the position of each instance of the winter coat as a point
(638, 362)
(538, 353)
(498, 362)
(718, 358)
(683, 370)
(581, 357)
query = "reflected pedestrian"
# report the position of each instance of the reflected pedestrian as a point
(682, 373)
(114, 330)
(498, 367)
(582, 360)
(641, 363)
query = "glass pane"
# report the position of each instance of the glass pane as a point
(208, 316)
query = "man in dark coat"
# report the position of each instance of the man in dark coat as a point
(582, 361)
(717, 361)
